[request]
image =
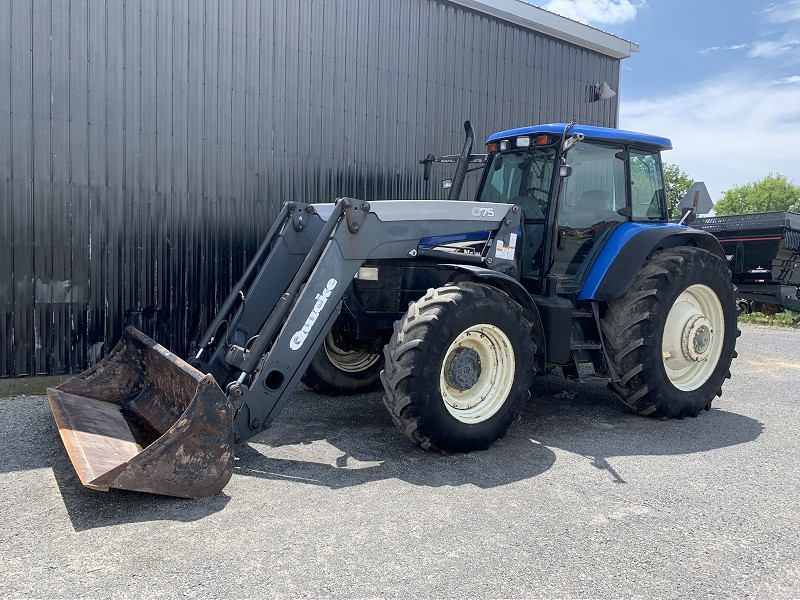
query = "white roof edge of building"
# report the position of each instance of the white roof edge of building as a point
(538, 19)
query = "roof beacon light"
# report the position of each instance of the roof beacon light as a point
(523, 142)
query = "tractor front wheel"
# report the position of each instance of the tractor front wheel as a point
(459, 367)
(671, 336)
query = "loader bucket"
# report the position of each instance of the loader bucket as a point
(143, 419)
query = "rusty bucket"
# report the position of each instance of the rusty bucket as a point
(143, 419)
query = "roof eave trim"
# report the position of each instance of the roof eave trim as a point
(538, 19)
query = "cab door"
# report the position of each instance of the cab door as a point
(591, 201)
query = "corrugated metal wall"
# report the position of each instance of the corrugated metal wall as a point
(145, 146)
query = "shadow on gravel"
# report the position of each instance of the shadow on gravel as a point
(29, 440)
(585, 419)
(349, 441)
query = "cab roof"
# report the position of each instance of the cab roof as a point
(591, 132)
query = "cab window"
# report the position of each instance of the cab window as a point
(648, 200)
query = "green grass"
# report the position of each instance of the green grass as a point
(777, 320)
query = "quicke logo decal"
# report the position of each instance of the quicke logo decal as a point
(299, 338)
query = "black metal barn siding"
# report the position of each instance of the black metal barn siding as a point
(146, 146)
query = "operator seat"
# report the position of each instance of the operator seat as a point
(592, 207)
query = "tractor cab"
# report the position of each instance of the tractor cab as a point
(587, 180)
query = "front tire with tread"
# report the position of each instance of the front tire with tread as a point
(470, 333)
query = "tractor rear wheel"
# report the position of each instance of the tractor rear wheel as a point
(671, 336)
(343, 366)
(459, 367)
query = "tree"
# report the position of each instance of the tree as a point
(676, 184)
(774, 192)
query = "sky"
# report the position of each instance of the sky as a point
(720, 78)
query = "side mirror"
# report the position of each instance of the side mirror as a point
(447, 184)
(565, 170)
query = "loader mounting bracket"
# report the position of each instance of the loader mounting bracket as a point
(355, 211)
(300, 214)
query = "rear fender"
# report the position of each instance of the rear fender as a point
(627, 249)
(515, 290)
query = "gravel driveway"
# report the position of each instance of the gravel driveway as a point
(582, 499)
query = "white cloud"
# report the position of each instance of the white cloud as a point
(788, 80)
(786, 47)
(596, 12)
(773, 48)
(782, 13)
(728, 131)
(717, 48)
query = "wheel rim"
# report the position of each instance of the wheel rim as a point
(349, 361)
(693, 337)
(477, 373)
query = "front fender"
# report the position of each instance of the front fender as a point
(627, 249)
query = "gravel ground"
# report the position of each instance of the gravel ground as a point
(582, 499)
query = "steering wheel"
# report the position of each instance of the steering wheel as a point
(542, 201)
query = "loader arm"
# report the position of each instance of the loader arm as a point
(297, 291)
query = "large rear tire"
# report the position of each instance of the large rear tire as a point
(343, 367)
(671, 336)
(459, 367)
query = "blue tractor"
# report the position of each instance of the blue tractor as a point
(564, 260)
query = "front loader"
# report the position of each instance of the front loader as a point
(565, 259)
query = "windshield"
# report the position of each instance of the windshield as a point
(520, 177)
